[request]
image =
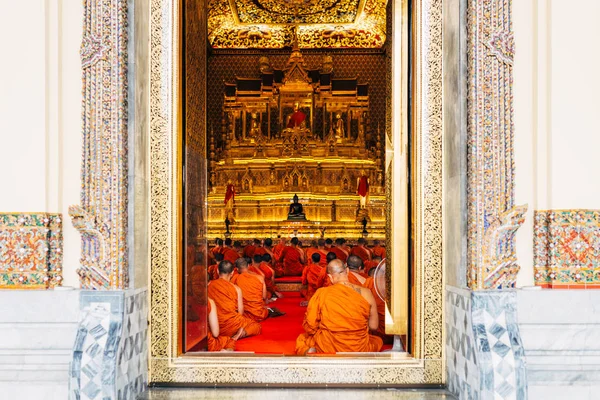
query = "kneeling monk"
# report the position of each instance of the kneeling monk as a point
(215, 341)
(230, 305)
(338, 317)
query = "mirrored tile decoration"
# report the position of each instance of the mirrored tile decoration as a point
(101, 218)
(31, 250)
(566, 249)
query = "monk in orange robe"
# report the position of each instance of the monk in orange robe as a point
(292, 259)
(277, 264)
(380, 331)
(229, 254)
(324, 280)
(310, 276)
(217, 342)
(254, 291)
(213, 270)
(230, 305)
(377, 250)
(319, 248)
(339, 252)
(338, 318)
(361, 250)
(259, 263)
(217, 249)
(371, 265)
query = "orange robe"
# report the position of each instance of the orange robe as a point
(259, 251)
(230, 321)
(370, 284)
(213, 272)
(291, 261)
(337, 320)
(340, 254)
(370, 265)
(252, 293)
(310, 277)
(311, 250)
(230, 255)
(379, 251)
(354, 280)
(221, 342)
(361, 252)
(265, 268)
(249, 251)
(323, 280)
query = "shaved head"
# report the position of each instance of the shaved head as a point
(336, 267)
(354, 262)
(241, 264)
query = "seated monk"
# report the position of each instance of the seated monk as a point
(213, 270)
(277, 250)
(340, 253)
(249, 249)
(319, 248)
(361, 250)
(338, 317)
(217, 249)
(229, 254)
(369, 265)
(377, 250)
(292, 259)
(355, 268)
(260, 263)
(259, 250)
(324, 280)
(380, 331)
(310, 277)
(216, 342)
(230, 305)
(254, 291)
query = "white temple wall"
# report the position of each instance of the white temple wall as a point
(40, 113)
(557, 135)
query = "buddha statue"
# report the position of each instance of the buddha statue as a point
(296, 213)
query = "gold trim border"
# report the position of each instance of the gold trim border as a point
(428, 364)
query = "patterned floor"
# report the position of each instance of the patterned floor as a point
(295, 394)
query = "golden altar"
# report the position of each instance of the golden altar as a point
(299, 130)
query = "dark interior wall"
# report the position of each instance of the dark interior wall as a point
(368, 67)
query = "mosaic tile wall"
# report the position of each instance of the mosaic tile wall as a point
(30, 251)
(490, 127)
(567, 249)
(485, 356)
(110, 355)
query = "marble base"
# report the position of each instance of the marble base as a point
(37, 331)
(560, 330)
(485, 357)
(110, 355)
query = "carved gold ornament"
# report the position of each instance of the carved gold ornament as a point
(270, 24)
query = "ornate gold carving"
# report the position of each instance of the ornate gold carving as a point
(265, 24)
(427, 366)
(499, 268)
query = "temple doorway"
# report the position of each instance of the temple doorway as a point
(284, 136)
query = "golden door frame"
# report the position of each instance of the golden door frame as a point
(426, 363)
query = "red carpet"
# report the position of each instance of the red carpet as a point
(278, 334)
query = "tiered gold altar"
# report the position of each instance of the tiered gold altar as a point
(296, 129)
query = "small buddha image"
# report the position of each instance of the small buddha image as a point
(339, 126)
(254, 126)
(296, 212)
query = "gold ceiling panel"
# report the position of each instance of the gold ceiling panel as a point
(270, 24)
